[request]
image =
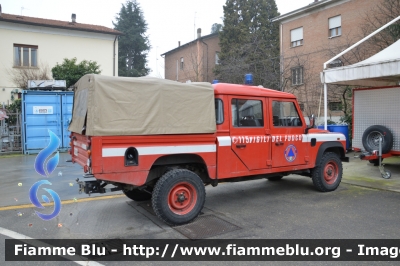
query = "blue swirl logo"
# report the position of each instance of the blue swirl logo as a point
(44, 165)
(40, 166)
(35, 200)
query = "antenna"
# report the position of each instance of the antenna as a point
(194, 26)
(157, 61)
(22, 8)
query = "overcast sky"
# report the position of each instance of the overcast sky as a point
(169, 21)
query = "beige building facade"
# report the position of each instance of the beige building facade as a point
(312, 35)
(193, 61)
(32, 43)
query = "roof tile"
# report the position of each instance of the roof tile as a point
(57, 24)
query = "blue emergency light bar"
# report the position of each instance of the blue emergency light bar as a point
(248, 79)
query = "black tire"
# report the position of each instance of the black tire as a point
(328, 172)
(375, 162)
(178, 197)
(370, 138)
(137, 195)
(275, 178)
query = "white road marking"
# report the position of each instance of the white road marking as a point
(38, 243)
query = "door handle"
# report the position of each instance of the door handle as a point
(240, 146)
(278, 143)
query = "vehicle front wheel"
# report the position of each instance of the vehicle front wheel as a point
(327, 173)
(178, 197)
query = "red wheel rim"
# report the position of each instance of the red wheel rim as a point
(331, 172)
(182, 198)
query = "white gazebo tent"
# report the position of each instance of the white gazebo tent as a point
(381, 69)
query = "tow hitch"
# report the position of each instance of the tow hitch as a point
(94, 186)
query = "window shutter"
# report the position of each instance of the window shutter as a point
(296, 34)
(335, 22)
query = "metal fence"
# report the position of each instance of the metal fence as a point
(10, 133)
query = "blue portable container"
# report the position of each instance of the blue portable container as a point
(43, 111)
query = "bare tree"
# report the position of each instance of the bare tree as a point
(307, 87)
(20, 75)
(379, 15)
(193, 67)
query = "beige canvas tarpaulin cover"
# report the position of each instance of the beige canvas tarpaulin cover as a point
(142, 106)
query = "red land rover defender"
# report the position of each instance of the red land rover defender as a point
(164, 140)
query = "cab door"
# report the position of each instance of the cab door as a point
(247, 131)
(287, 129)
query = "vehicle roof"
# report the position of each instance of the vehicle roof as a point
(246, 90)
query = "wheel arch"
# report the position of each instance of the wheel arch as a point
(189, 161)
(332, 146)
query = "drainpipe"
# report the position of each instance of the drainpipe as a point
(281, 59)
(116, 36)
(207, 59)
(163, 57)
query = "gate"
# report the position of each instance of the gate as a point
(10, 133)
(43, 111)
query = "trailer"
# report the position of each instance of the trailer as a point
(376, 109)
(376, 123)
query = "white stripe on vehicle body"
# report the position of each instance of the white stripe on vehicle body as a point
(331, 136)
(157, 150)
(224, 141)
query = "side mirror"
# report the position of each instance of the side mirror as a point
(312, 123)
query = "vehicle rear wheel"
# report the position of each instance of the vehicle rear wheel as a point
(275, 178)
(327, 173)
(178, 197)
(370, 138)
(137, 195)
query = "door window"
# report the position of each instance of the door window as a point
(219, 111)
(247, 113)
(285, 114)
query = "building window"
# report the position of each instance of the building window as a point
(25, 55)
(217, 58)
(181, 62)
(335, 63)
(297, 76)
(296, 37)
(335, 106)
(335, 26)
